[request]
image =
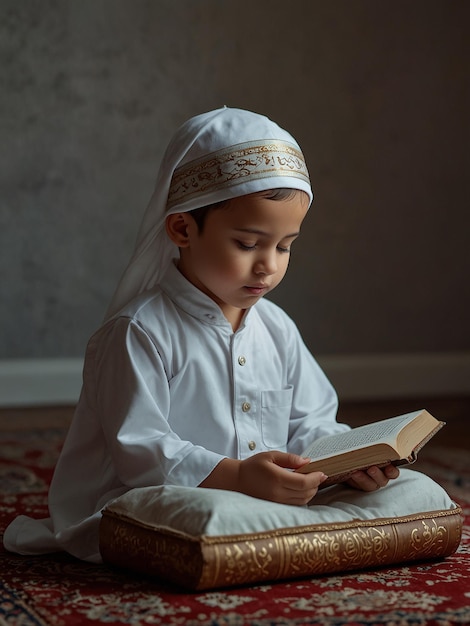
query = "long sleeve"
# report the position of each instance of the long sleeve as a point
(133, 400)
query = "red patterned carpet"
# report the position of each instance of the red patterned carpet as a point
(60, 591)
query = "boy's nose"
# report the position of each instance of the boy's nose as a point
(266, 264)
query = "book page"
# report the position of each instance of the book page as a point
(357, 437)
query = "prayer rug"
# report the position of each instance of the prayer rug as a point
(58, 590)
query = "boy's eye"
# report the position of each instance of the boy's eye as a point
(245, 246)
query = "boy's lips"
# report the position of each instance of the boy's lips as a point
(256, 289)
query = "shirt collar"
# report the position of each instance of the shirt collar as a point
(192, 300)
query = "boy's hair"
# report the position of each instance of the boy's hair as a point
(200, 214)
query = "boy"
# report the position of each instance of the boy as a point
(194, 379)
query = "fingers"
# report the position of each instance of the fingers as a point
(374, 478)
(299, 489)
(391, 472)
(269, 475)
(288, 460)
(290, 487)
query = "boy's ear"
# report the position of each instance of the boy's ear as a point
(177, 228)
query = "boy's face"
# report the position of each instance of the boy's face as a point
(243, 250)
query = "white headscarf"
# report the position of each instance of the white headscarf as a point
(212, 157)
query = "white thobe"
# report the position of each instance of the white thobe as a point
(169, 390)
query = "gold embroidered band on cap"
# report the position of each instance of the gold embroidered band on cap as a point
(235, 165)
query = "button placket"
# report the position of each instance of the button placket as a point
(246, 398)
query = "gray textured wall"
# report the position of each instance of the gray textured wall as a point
(376, 92)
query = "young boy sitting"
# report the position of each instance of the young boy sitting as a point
(194, 379)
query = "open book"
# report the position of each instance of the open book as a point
(395, 440)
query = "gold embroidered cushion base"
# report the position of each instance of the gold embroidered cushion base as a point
(205, 539)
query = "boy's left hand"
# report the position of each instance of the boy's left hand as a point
(374, 478)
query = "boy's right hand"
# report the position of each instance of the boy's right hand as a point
(266, 475)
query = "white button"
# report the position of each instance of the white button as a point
(241, 360)
(252, 445)
(246, 406)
